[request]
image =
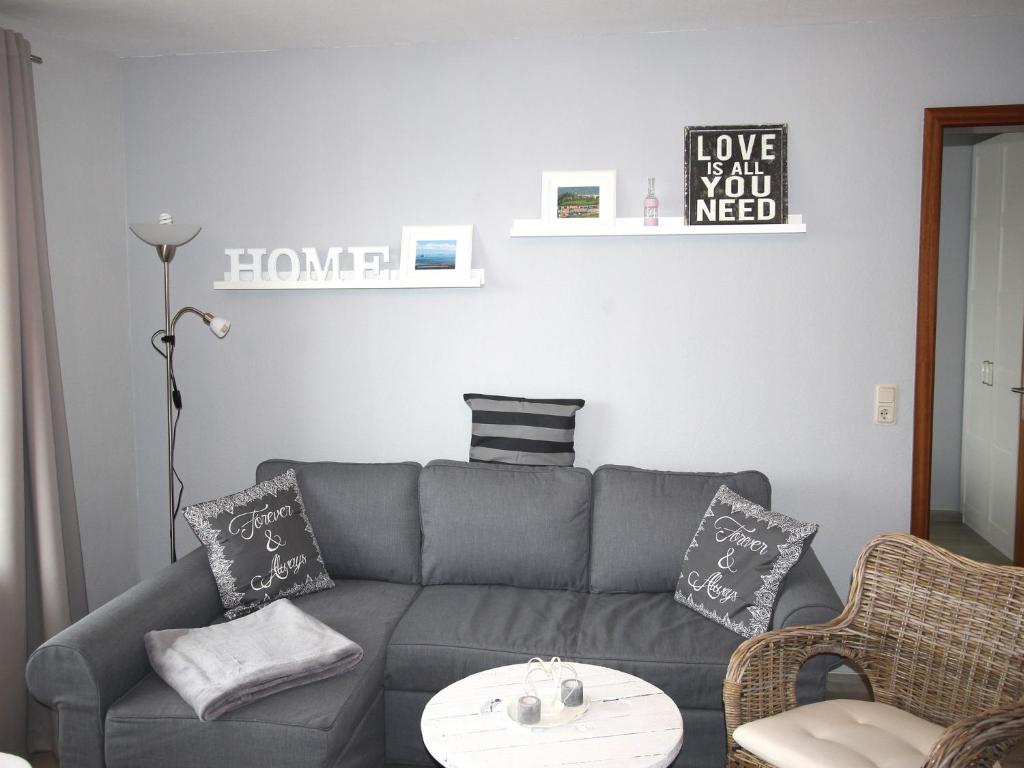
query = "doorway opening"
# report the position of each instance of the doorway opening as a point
(968, 464)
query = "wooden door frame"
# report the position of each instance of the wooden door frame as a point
(936, 119)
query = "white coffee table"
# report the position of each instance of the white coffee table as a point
(630, 724)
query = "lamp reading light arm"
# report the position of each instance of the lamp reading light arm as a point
(218, 325)
(205, 316)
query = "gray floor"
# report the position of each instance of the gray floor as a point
(953, 535)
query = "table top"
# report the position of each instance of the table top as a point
(630, 724)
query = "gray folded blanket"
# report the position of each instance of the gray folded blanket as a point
(222, 667)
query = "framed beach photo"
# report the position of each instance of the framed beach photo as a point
(571, 198)
(436, 253)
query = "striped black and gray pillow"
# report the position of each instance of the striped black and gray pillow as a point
(519, 430)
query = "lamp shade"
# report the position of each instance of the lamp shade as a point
(164, 232)
(220, 326)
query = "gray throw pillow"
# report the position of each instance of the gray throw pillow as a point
(733, 569)
(260, 545)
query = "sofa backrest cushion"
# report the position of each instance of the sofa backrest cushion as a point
(365, 516)
(505, 524)
(644, 520)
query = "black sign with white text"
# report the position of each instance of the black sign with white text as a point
(736, 174)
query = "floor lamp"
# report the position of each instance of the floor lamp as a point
(167, 236)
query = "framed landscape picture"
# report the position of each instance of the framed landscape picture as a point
(436, 253)
(572, 198)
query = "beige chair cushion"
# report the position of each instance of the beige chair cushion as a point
(840, 734)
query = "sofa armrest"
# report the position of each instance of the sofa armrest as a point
(807, 597)
(84, 669)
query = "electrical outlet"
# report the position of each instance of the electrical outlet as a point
(885, 404)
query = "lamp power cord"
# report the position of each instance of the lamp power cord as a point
(177, 402)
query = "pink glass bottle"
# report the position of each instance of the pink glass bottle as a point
(650, 205)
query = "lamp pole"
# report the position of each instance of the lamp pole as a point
(166, 253)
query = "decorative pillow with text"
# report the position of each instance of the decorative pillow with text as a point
(734, 567)
(260, 545)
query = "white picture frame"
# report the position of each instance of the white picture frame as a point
(436, 253)
(594, 202)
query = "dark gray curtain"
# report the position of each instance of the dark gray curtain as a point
(42, 587)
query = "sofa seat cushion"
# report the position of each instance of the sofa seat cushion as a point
(307, 726)
(841, 734)
(653, 637)
(455, 630)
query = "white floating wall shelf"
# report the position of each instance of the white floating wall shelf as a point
(475, 280)
(632, 227)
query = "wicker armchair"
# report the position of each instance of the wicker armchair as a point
(937, 635)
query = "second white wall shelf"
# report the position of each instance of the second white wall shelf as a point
(475, 280)
(632, 227)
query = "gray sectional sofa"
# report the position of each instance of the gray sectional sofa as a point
(441, 571)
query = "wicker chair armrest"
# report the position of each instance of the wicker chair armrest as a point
(762, 675)
(979, 741)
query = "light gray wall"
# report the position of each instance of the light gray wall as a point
(78, 101)
(950, 327)
(707, 353)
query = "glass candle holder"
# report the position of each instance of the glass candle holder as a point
(528, 710)
(572, 692)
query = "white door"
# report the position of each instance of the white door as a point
(995, 338)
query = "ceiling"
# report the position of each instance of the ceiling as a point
(165, 27)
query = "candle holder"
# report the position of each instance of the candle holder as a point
(552, 696)
(572, 692)
(528, 710)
